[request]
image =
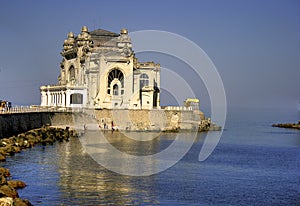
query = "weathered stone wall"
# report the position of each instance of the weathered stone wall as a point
(12, 124)
(141, 120)
(149, 119)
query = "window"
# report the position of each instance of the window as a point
(71, 73)
(116, 90)
(115, 74)
(144, 80)
(76, 98)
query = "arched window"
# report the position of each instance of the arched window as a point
(76, 98)
(71, 73)
(115, 74)
(144, 80)
(115, 90)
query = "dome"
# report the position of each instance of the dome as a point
(84, 29)
(124, 31)
(70, 35)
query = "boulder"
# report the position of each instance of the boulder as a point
(7, 191)
(2, 157)
(9, 149)
(5, 172)
(6, 201)
(16, 184)
(20, 202)
(2, 180)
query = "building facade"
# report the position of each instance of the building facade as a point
(99, 70)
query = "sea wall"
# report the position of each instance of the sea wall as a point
(133, 120)
(13, 124)
(141, 120)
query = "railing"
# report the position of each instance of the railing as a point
(32, 109)
(178, 108)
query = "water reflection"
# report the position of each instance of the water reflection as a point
(123, 155)
(84, 180)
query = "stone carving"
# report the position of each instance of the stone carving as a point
(84, 38)
(124, 42)
(69, 42)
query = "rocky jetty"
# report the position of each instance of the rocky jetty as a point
(9, 146)
(8, 190)
(288, 125)
(44, 136)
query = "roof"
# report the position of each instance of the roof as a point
(102, 32)
(101, 36)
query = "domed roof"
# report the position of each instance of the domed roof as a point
(70, 35)
(84, 29)
(124, 31)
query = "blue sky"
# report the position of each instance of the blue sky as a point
(255, 45)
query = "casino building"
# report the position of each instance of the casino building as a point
(99, 70)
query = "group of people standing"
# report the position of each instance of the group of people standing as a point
(105, 125)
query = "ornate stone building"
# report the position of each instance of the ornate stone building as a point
(99, 70)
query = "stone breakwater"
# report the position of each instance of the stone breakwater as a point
(8, 190)
(288, 125)
(44, 135)
(10, 146)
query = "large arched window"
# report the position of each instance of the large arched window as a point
(76, 98)
(144, 80)
(117, 76)
(71, 73)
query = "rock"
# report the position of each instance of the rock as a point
(2, 180)
(288, 125)
(7, 191)
(6, 201)
(20, 202)
(9, 149)
(5, 172)
(16, 184)
(16, 149)
(2, 157)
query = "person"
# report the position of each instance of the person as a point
(112, 126)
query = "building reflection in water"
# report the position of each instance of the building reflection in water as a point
(83, 180)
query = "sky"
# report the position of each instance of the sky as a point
(254, 44)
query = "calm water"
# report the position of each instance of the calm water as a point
(254, 164)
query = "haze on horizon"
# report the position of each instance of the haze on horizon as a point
(255, 45)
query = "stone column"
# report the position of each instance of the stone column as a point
(68, 98)
(43, 98)
(49, 98)
(53, 98)
(63, 99)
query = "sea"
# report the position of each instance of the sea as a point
(253, 164)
